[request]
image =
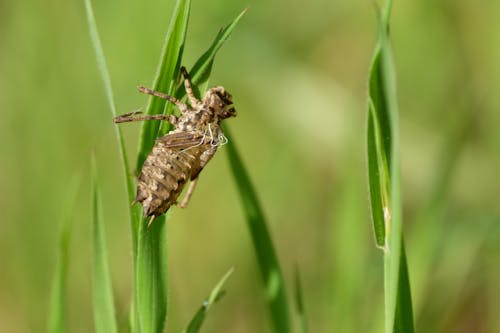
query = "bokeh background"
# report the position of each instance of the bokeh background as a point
(298, 73)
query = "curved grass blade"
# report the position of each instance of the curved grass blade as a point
(301, 314)
(57, 313)
(215, 295)
(384, 182)
(103, 70)
(202, 68)
(263, 245)
(166, 76)
(102, 293)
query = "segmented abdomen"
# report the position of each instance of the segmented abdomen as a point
(164, 174)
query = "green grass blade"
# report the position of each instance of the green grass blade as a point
(301, 314)
(151, 277)
(166, 76)
(263, 246)
(151, 265)
(384, 181)
(102, 293)
(202, 68)
(57, 313)
(376, 198)
(103, 70)
(403, 321)
(215, 295)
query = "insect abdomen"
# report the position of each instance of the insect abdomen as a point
(163, 176)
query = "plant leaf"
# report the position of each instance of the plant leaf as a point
(215, 295)
(201, 69)
(301, 315)
(57, 312)
(151, 266)
(151, 276)
(203, 66)
(263, 245)
(104, 309)
(384, 182)
(166, 76)
(374, 183)
(403, 321)
(103, 70)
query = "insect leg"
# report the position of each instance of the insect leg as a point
(129, 117)
(133, 113)
(187, 197)
(189, 89)
(183, 107)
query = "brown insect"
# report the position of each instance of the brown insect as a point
(181, 154)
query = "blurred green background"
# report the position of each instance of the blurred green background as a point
(297, 71)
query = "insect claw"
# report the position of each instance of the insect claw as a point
(151, 220)
(134, 202)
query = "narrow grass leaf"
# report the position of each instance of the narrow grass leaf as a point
(166, 76)
(301, 315)
(57, 306)
(151, 276)
(151, 265)
(384, 182)
(103, 70)
(202, 68)
(102, 293)
(215, 295)
(374, 184)
(263, 245)
(403, 321)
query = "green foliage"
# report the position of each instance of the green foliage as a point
(202, 68)
(103, 71)
(299, 301)
(104, 309)
(403, 319)
(57, 307)
(215, 295)
(264, 249)
(166, 76)
(151, 277)
(149, 243)
(151, 265)
(302, 130)
(384, 181)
